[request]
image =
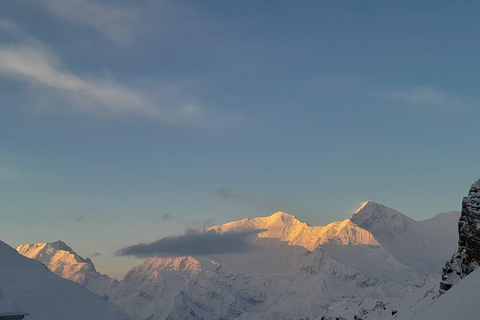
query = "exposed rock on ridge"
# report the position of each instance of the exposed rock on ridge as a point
(467, 258)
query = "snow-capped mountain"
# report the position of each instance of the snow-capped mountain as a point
(62, 260)
(377, 257)
(373, 225)
(299, 271)
(420, 245)
(45, 296)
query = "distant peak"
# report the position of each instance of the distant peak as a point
(372, 213)
(60, 245)
(368, 205)
(283, 216)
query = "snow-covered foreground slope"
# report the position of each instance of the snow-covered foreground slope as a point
(62, 260)
(46, 296)
(460, 302)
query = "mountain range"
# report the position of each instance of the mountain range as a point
(365, 266)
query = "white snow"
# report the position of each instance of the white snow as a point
(46, 296)
(62, 260)
(8, 307)
(369, 264)
(460, 302)
(299, 271)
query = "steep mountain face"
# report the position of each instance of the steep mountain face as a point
(420, 245)
(467, 257)
(62, 260)
(46, 296)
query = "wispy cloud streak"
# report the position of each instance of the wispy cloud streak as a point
(112, 19)
(33, 63)
(425, 96)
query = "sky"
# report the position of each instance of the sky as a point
(123, 122)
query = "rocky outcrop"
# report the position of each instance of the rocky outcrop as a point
(467, 258)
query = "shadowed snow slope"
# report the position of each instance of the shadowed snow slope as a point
(62, 260)
(46, 296)
(421, 245)
(460, 302)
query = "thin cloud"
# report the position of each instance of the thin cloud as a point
(78, 218)
(29, 61)
(10, 28)
(113, 20)
(56, 88)
(194, 243)
(199, 224)
(229, 194)
(96, 254)
(425, 96)
(167, 217)
(33, 63)
(270, 204)
(275, 204)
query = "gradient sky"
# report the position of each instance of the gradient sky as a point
(127, 121)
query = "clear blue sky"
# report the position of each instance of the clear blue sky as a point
(127, 121)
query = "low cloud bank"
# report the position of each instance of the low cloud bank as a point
(194, 243)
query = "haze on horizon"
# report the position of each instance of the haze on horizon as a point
(123, 122)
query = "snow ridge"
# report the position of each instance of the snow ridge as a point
(45, 295)
(62, 260)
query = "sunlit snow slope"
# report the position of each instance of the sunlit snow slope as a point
(62, 260)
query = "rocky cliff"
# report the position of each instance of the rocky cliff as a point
(467, 257)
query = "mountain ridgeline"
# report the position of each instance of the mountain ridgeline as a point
(361, 266)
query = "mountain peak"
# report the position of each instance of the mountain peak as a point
(60, 245)
(281, 215)
(369, 210)
(372, 214)
(368, 206)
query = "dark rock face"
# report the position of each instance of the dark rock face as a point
(467, 258)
